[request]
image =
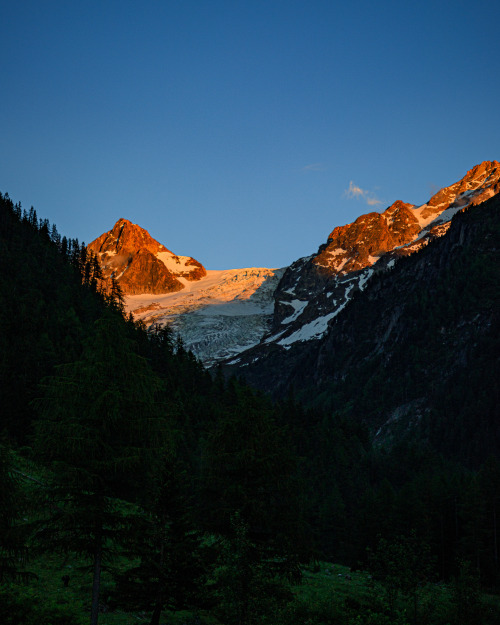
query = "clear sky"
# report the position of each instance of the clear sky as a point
(233, 130)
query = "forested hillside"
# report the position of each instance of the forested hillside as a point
(185, 493)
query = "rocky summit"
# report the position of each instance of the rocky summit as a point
(139, 264)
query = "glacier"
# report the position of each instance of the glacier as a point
(218, 316)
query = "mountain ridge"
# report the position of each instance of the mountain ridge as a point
(298, 302)
(317, 288)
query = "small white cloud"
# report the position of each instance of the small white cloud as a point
(354, 191)
(357, 192)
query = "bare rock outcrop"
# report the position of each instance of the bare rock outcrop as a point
(139, 264)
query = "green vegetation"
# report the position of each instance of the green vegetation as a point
(327, 595)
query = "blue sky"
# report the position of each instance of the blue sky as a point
(233, 131)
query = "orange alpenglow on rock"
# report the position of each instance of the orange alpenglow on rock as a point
(360, 244)
(140, 264)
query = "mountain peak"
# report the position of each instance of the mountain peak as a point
(360, 244)
(126, 237)
(139, 263)
(486, 167)
(479, 183)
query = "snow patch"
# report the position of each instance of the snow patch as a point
(317, 328)
(423, 221)
(298, 307)
(176, 264)
(341, 265)
(336, 252)
(364, 277)
(274, 337)
(313, 330)
(446, 215)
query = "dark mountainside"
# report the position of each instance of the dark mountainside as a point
(417, 349)
(117, 445)
(121, 454)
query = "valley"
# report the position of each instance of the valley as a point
(349, 416)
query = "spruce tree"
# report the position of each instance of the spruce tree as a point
(249, 469)
(97, 419)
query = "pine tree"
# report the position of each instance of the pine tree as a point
(247, 589)
(98, 417)
(249, 469)
(116, 296)
(402, 566)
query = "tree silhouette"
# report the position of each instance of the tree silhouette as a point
(98, 417)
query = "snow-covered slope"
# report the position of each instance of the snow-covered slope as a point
(217, 316)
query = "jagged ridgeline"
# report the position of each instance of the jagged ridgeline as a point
(315, 290)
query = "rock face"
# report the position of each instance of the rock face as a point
(140, 264)
(316, 289)
(144, 273)
(401, 229)
(360, 244)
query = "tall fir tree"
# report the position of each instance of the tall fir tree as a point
(97, 419)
